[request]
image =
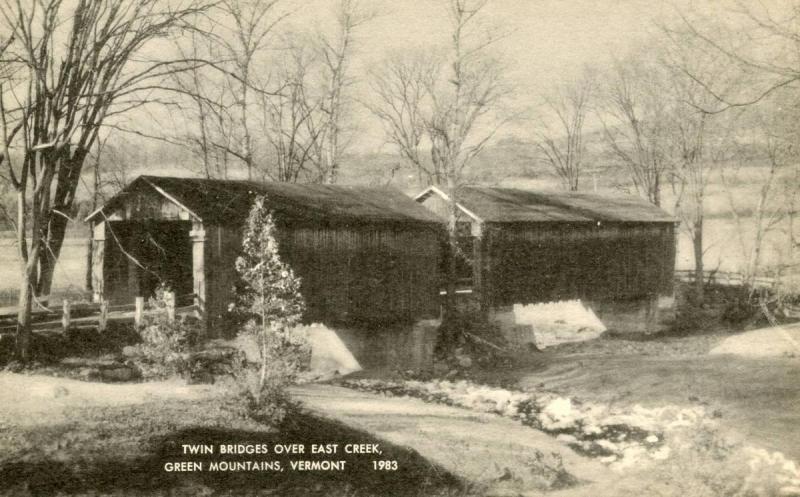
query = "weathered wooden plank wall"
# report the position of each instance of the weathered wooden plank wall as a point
(223, 244)
(541, 263)
(115, 264)
(368, 274)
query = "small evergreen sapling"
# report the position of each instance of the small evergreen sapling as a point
(269, 295)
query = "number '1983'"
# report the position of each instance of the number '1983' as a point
(384, 465)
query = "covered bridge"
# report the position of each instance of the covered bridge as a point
(526, 247)
(367, 257)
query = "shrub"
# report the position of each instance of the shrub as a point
(740, 307)
(266, 401)
(269, 296)
(548, 472)
(165, 343)
(704, 462)
(470, 335)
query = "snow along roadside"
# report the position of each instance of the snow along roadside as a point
(622, 438)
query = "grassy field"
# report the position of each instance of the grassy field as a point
(70, 274)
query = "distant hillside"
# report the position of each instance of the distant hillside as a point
(510, 162)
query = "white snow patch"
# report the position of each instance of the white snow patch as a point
(329, 354)
(661, 454)
(558, 414)
(766, 342)
(585, 420)
(553, 323)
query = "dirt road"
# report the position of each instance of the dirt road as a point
(495, 452)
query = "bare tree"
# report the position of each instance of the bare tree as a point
(769, 210)
(208, 115)
(75, 69)
(253, 26)
(654, 126)
(560, 143)
(401, 90)
(636, 123)
(764, 162)
(276, 107)
(226, 97)
(690, 179)
(451, 105)
(293, 121)
(760, 39)
(336, 53)
(700, 140)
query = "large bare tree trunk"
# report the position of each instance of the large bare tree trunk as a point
(57, 218)
(23, 331)
(57, 230)
(656, 195)
(697, 245)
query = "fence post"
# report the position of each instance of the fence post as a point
(102, 321)
(169, 298)
(65, 317)
(138, 314)
(198, 308)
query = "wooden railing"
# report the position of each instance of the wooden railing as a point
(82, 314)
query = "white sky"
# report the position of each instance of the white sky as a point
(547, 36)
(548, 40)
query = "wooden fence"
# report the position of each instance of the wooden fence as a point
(725, 278)
(98, 315)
